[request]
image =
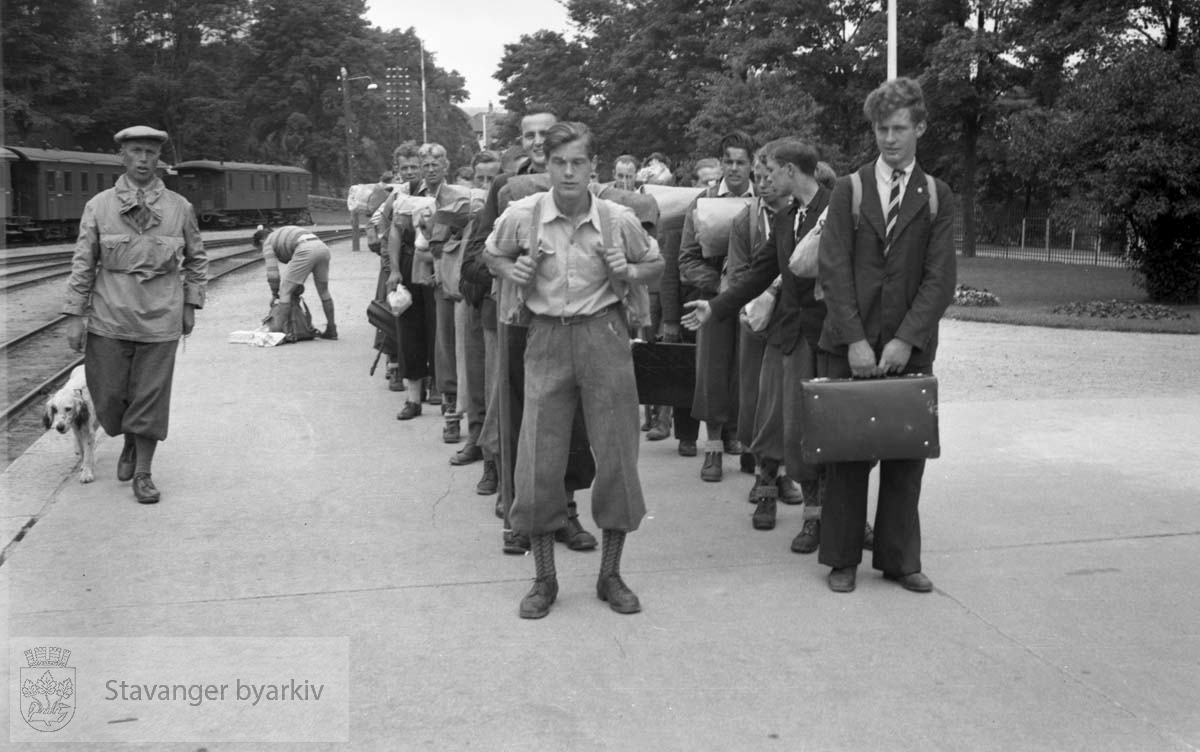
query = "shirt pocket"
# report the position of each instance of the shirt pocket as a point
(144, 256)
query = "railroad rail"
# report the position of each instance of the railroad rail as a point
(31, 353)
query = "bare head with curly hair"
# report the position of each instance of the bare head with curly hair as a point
(897, 114)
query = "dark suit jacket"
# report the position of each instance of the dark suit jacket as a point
(797, 313)
(902, 295)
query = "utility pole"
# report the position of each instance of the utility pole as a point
(891, 48)
(424, 112)
(346, 114)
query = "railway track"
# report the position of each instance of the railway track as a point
(36, 360)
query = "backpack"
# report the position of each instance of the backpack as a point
(297, 327)
(635, 298)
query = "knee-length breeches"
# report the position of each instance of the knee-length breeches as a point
(584, 363)
(130, 384)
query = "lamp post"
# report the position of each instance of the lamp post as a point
(349, 117)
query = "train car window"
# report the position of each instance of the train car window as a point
(52, 180)
(83, 182)
(67, 175)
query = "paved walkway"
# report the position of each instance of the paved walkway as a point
(1060, 526)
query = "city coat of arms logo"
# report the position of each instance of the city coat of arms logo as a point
(47, 686)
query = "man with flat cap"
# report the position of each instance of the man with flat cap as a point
(138, 276)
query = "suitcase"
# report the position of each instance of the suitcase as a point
(859, 420)
(665, 373)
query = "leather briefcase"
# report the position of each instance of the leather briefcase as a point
(381, 317)
(859, 420)
(665, 373)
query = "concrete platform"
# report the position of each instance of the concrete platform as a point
(1060, 530)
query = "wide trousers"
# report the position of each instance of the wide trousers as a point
(511, 343)
(583, 362)
(130, 384)
(897, 522)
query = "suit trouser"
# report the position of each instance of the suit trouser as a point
(751, 346)
(130, 384)
(445, 367)
(476, 357)
(586, 363)
(687, 428)
(897, 522)
(580, 469)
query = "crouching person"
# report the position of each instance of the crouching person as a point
(573, 266)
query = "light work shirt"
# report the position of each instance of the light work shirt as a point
(572, 278)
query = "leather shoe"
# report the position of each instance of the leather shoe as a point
(515, 543)
(329, 333)
(661, 428)
(468, 454)
(394, 379)
(620, 598)
(127, 462)
(809, 539)
(789, 492)
(764, 513)
(491, 478)
(841, 579)
(687, 448)
(144, 490)
(409, 411)
(916, 582)
(869, 538)
(452, 432)
(576, 538)
(748, 463)
(538, 600)
(712, 470)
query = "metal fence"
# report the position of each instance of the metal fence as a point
(1038, 236)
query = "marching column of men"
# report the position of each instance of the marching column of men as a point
(540, 282)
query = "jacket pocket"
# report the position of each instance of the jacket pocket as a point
(145, 256)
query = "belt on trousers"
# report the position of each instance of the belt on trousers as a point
(572, 320)
(305, 237)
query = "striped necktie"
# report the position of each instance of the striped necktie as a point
(893, 210)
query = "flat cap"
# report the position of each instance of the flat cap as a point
(141, 132)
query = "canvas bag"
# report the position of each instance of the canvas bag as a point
(297, 327)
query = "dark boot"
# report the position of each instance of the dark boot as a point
(576, 538)
(610, 587)
(662, 424)
(542, 595)
(764, 513)
(489, 481)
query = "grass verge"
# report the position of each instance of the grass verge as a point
(1030, 290)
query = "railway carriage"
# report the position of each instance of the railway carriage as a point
(46, 189)
(231, 194)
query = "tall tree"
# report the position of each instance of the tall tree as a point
(176, 64)
(294, 83)
(1125, 134)
(546, 69)
(49, 71)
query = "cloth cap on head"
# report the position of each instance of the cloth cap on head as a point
(140, 132)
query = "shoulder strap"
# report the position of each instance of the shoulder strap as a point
(535, 226)
(855, 196)
(931, 184)
(606, 220)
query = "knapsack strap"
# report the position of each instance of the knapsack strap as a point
(856, 193)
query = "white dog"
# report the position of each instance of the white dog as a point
(70, 408)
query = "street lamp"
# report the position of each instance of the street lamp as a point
(346, 79)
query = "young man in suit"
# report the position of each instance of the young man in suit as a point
(888, 275)
(792, 336)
